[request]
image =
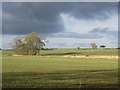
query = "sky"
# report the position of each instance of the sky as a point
(63, 24)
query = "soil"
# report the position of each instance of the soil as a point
(78, 56)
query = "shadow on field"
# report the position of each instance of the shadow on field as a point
(64, 53)
(62, 79)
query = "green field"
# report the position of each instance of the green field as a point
(73, 51)
(45, 72)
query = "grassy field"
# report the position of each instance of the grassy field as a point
(44, 72)
(73, 51)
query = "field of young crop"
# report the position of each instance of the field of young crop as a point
(58, 72)
(73, 51)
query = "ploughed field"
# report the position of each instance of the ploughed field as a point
(59, 72)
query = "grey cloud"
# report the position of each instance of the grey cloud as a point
(61, 44)
(44, 18)
(113, 35)
(27, 26)
(76, 35)
(95, 33)
(81, 44)
(104, 32)
(119, 7)
(99, 30)
(95, 10)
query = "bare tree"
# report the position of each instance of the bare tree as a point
(93, 45)
(78, 48)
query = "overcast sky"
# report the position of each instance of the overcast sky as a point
(65, 25)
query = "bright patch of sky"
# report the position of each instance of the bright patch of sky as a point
(82, 25)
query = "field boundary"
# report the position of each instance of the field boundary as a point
(77, 56)
(86, 56)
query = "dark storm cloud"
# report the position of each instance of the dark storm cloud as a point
(95, 10)
(44, 18)
(28, 17)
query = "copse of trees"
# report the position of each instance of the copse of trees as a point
(29, 44)
(102, 46)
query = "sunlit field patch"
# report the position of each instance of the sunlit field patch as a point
(57, 72)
